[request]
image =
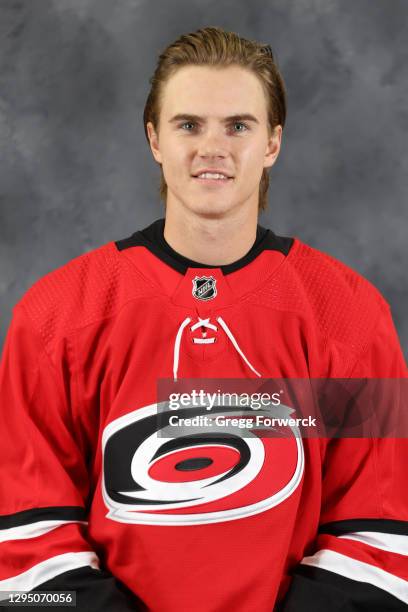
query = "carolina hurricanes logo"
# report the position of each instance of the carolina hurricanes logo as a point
(202, 477)
(204, 287)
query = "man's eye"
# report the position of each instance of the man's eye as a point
(241, 124)
(187, 123)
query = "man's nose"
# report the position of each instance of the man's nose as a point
(213, 143)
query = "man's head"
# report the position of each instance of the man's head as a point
(217, 102)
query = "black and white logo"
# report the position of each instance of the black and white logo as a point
(208, 476)
(204, 287)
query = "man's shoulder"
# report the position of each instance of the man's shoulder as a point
(323, 274)
(73, 276)
(89, 287)
(343, 304)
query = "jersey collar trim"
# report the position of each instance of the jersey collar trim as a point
(152, 238)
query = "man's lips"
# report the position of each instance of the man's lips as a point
(213, 181)
(213, 171)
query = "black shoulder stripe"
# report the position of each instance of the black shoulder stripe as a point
(135, 239)
(52, 513)
(318, 590)
(279, 243)
(96, 590)
(351, 525)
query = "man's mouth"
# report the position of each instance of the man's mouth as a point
(212, 177)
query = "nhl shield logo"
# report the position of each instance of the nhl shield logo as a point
(204, 287)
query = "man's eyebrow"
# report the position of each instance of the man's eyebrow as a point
(189, 117)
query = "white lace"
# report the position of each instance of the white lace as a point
(205, 323)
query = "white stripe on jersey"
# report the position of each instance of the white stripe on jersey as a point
(390, 542)
(32, 530)
(360, 571)
(46, 570)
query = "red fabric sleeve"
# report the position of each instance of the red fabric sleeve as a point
(361, 552)
(44, 480)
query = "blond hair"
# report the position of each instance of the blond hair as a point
(213, 46)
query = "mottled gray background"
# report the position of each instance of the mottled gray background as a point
(76, 171)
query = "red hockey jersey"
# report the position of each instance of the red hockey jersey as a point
(93, 500)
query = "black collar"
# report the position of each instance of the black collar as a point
(152, 237)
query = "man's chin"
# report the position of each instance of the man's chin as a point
(210, 206)
(211, 210)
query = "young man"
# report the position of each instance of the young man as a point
(93, 499)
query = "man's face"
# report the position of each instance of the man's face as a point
(213, 119)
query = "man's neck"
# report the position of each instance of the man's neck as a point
(211, 241)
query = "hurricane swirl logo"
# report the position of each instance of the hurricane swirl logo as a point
(203, 475)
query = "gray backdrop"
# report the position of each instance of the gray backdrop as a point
(76, 170)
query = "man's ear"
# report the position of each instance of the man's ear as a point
(273, 147)
(154, 141)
